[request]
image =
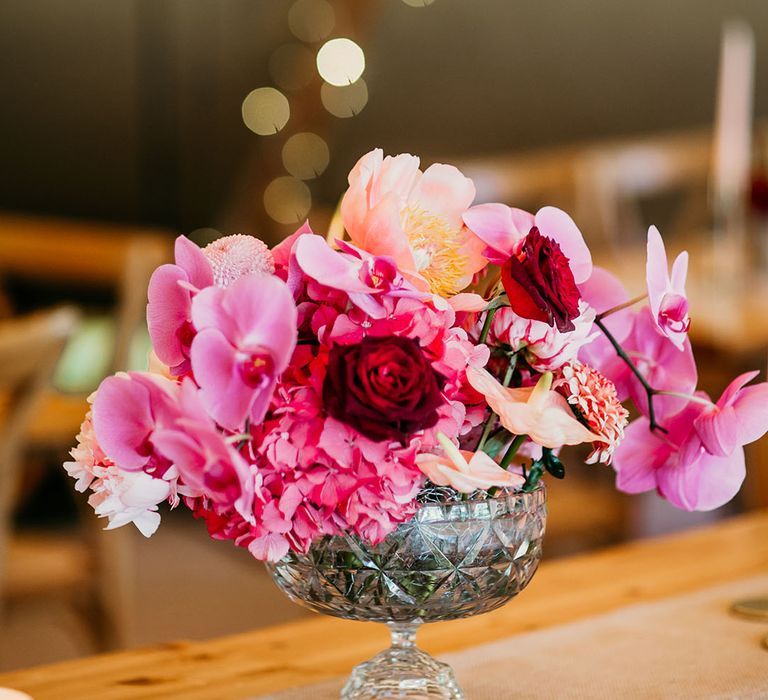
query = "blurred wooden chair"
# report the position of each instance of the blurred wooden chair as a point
(527, 180)
(623, 186)
(84, 569)
(118, 259)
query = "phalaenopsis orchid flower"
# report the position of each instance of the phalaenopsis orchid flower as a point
(321, 387)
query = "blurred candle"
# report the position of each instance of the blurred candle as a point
(733, 128)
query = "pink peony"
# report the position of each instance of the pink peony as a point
(393, 209)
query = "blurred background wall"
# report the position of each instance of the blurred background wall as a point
(130, 110)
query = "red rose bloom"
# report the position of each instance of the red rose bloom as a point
(383, 387)
(539, 283)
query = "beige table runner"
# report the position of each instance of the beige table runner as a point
(683, 647)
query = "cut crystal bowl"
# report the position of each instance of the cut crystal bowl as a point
(451, 560)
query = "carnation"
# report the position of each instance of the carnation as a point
(594, 399)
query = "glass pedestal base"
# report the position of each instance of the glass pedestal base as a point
(402, 671)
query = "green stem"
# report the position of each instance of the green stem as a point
(689, 397)
(619, 307)
(649, 390)
(487, 325)
(492, 418)
(509, 455)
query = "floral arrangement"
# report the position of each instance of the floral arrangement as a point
(445, 350)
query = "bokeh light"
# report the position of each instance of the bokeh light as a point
(311, 20)
(265, 111)
(292, 66)
(340, 61)
(287, 200)
(345, 101)
(306, 155)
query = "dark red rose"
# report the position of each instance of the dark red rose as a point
(539, 283)
(383, 387)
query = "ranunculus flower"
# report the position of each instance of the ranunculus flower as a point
(666, 296)
(539, 283)
(383, 387)
(391, 208)
(536, 411)
(465, 471)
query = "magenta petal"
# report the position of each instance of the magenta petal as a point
(718, 430)
(182, 450)
(193, 261)
(123, 421)
(705, 483)
(603, 291)
(224, 393)
(751, 408)
(328, 267)
(494, 224)
(270, 547)
(167, 312)
(734, 387)
(557, 225)
(638, 457)
(281, 253)
(265, 315)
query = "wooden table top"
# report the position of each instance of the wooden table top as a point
(305, 652)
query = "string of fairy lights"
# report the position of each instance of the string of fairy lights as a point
(294, 66)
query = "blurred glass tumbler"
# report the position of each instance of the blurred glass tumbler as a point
(451, 560)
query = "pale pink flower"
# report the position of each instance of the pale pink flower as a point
(393, 209)
(503, 229)
(666, 296)
(120, 496)
(543, 346)
(246, 335)
(128, 497)
(233, 257)
(594, 398)
(465, 471)
(537, 411)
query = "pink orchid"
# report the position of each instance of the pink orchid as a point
(503, 230)
(739, 417)
(363, 277)
(208, 465)
(246, 336)
(664, 366)
(666, 296)
(127, 410)
(676, 463)
(537, 411)
(393, 209)
(169, 311)
(465, 471)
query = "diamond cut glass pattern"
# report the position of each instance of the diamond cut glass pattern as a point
(451, 560)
